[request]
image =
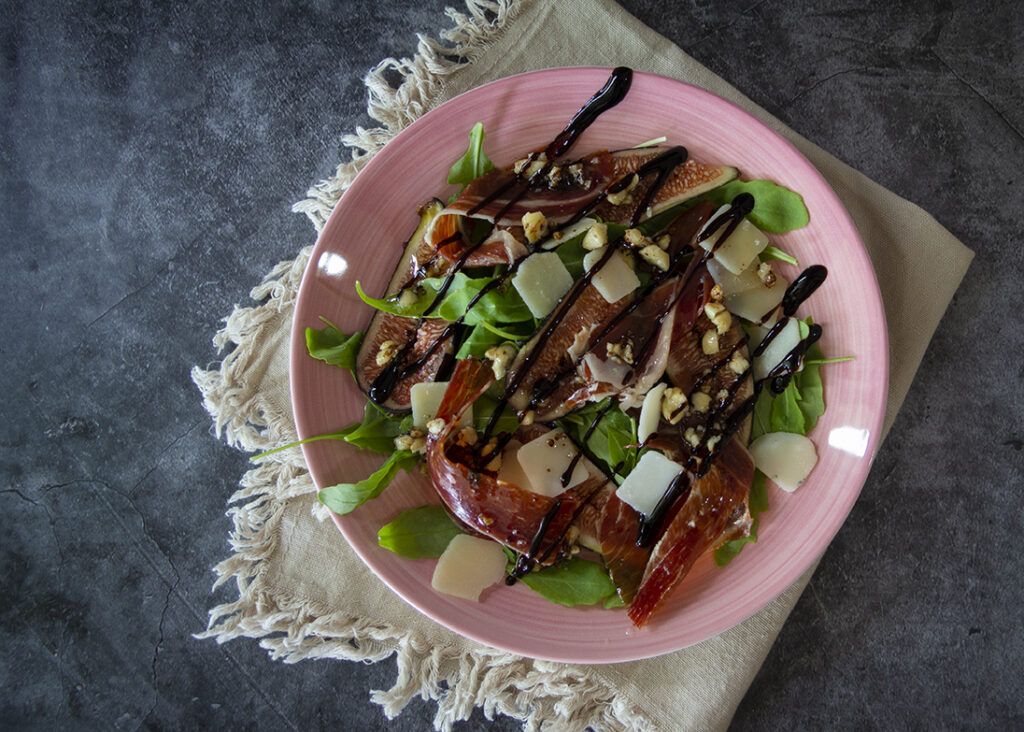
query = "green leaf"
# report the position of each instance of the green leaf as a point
(484, 407)
(501, 305)
(758, 503)
(776, 209)
(377, 431)
(474, 162)
(571, 252)
(477, 343)
(418, 532)
(332, 346)
(344, 498)
(826, 361)
(812, 393)
(614, 440)
(786, 414)
(571, 583)
(773, 252)
(762, 422)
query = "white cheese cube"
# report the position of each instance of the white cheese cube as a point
(426, 398)
(615, 279)
(648, 481)
(546, 458)
(541, 281)
(468, 566)
(740, 250)
(778, 349)
(785, 457)
(650, 413)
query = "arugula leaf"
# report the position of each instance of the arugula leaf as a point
(612, 442)
(571, 252)
(501, 305)
(344, 498)
(575, 582)
(758, 504)
(762, 423)
(786, 414)
(776, 209)
(377, 431)
(484, 407)
(474, 162)
(418, 532)
(812, 393)
(332, 346)
(773, 252)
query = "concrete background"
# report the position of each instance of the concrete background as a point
(148, 158)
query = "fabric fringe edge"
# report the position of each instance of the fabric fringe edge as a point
(543, 695)
(422, 80)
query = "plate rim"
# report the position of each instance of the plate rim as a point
(298, 351)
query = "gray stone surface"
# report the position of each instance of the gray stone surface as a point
(148, 156)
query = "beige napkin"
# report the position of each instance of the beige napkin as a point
(302, 590)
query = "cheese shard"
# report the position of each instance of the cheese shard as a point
(648, 482)
(546, 458)
(734, 284)
(755, 303)
(615, 279)
(541, 281)
(511, 471)
(468, 566)
(426, 398)
(740, 250)
(650, 413)
(786, 458)
(778, 349)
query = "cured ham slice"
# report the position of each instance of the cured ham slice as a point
(506, 512)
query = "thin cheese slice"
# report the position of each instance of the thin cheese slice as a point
(778, 349)
(648, 482)
(740, 250)
(468, 566)
(426, 398)
(615, 279)
(546, 458)
(650, 413)
(541, 281)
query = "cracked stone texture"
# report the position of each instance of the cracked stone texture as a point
(148, 157)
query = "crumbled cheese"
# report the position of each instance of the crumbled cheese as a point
(673, 405)
(700, 400)
(623, 196)
(636, 239)
(435, 426)
(500, 358)
(738, 364)
(691, 437)
(387, 352)
(596, 237)
(765, 274)
(655, 256)
(620, 352)
(709, 342)
(535, 226)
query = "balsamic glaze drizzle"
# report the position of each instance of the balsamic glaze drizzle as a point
(700, 461)
(613, 92)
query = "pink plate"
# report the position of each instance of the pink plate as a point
(363, 240)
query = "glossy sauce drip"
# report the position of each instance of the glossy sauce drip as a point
(741, 206)
(650, 523)
(525, 561)
(395, 372)
(801, 289)
(668, 160)
(700, 461)
(613, 92)
(567, 473)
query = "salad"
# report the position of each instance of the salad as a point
(598, 363)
